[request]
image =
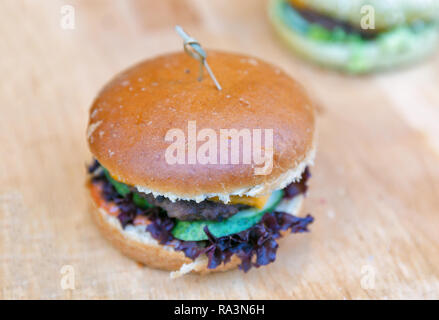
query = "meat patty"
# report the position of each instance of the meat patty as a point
(332, 23)
(191, 210)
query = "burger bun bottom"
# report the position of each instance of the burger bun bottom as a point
(138, 244)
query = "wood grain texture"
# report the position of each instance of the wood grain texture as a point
(375, 185)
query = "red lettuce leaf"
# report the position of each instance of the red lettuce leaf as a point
(299, 187)
(255, 246)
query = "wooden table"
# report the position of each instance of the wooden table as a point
(375, 185)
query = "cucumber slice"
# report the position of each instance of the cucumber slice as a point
(193, 230)
(141, 202)
(120, 187)
(123, 190)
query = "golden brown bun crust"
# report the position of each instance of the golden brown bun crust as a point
(130, 117)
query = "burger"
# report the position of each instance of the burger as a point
(358, 36)
(166, 209)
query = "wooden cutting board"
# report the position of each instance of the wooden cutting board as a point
(374, 191)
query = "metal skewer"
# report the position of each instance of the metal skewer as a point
(193, 48)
